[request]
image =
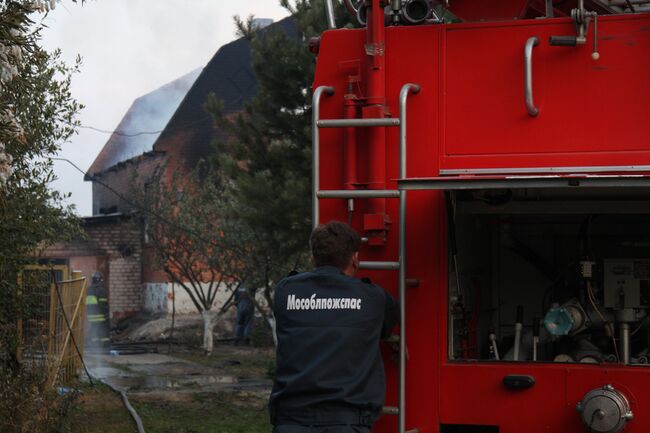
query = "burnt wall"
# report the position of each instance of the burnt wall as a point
(121, 180)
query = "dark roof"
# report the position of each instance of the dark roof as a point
(148, 113)
(229, 75)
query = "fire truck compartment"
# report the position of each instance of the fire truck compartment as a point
(549, 275)
(580, 103)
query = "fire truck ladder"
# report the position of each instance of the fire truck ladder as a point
(317, 193)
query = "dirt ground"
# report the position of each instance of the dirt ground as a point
(182, 391)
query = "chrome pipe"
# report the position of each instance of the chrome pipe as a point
(395, 8)
(528, 76)
(379, 266)
(360, 123)
(315, 151)
(404, 93)
(518, 328)
(495, 349)
(359, 193)
(350, 7)
(625, 343)
(329, 11)
(403, 99)
(362, 14)
(549, 8)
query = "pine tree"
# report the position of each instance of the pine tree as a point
(265, 165)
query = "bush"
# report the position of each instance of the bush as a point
(25, 406)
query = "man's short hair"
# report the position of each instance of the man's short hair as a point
(334, 244)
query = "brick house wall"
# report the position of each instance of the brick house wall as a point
(113, 246)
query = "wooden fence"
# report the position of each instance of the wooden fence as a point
(53, 331)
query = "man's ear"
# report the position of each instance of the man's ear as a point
(355, 259)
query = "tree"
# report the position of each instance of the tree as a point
(183, 230)
(37, 114)
(265, 165)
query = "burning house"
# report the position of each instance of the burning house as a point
(163, 131)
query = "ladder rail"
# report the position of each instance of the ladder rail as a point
(315, 150)
(400, 265)
(403, 99)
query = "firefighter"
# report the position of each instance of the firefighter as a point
(97, 334)
(330, 375)
(245, 313)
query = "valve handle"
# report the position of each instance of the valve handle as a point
(563, 41)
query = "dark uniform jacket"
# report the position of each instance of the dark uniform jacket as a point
(329, 366)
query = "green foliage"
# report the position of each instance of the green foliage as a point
(25, 407)
(38, 114)
(265, 165)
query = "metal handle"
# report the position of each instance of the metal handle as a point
(528, 71)
(329, 13)
(315, 152)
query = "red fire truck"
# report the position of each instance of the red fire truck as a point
(498, 166)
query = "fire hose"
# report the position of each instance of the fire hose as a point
(122, 393)
(127, 404)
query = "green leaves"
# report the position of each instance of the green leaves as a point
(37, 114)
(265, 164)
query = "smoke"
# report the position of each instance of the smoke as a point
(130, 47)
(149, 113)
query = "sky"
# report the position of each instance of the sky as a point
(129, 48)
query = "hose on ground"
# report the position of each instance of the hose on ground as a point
(127, 404)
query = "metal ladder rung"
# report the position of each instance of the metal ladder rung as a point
(388, 266)
(390, 410)
(361, 123)
(359, 193)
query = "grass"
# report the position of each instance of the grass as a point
(101, 411)
(242, 362)
(208, 413)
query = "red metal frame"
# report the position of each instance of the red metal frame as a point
(470, 114)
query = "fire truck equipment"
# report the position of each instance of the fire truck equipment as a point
(605, 410)
(582, 18)
(416, 11)
(521, 193)
(559, 321)
(519, 325)
(408, 12)
(494, 349)
(570, 318)
(536, 325)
